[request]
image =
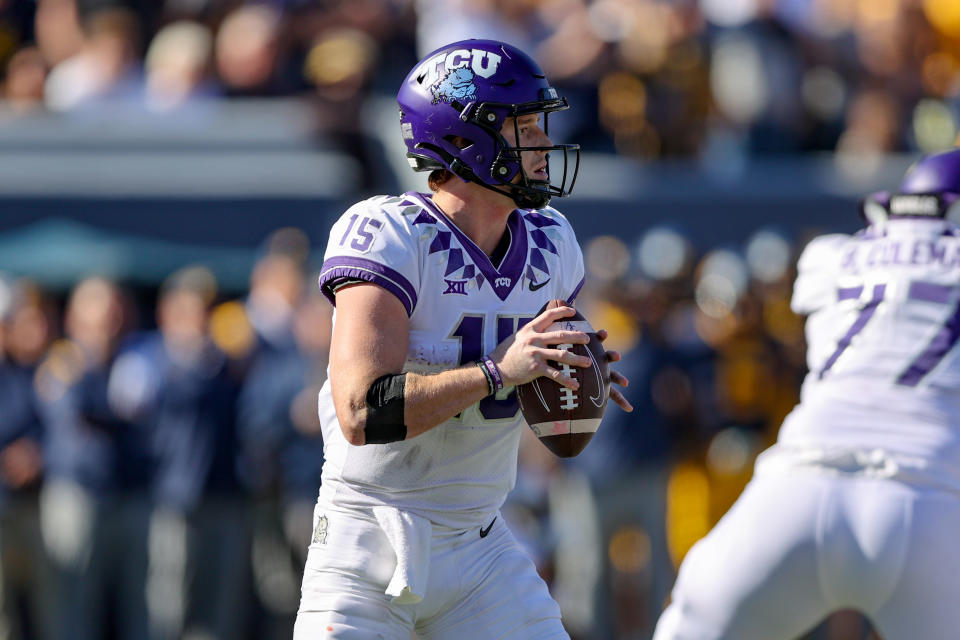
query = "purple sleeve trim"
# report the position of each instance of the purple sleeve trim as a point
(576, 292)
(340, 267)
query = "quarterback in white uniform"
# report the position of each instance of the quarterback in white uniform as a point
(857, 505)
(436, 321)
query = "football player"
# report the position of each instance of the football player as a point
(435, 297)
(857, 505)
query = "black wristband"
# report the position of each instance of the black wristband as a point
(491, 385)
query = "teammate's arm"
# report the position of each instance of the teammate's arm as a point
(370, 340)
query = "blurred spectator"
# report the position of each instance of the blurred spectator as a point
(178, 385)
(312, 328)
(279, 428)
(248, 51)
(440, 23)
(872, 129)
(25, 331)
(58, 32)
(105, 69)
(94, 504)
(178, 66)
(340, 64)
(26, 74)
(770, 257)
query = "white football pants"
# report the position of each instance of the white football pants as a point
(477, 588)
(797, 546)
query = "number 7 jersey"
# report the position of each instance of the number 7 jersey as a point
(882, 331)
(461, 306)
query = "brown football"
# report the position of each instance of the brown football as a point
(563, 419)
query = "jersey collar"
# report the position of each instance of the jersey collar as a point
(510, 273)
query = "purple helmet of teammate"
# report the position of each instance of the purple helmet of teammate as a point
(454, 104)
(930, 189)
(934, 173)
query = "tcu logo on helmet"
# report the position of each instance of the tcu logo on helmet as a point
(450, 74)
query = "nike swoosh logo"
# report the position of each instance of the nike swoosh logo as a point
(599, 399)
(484, 532)
(534, 287)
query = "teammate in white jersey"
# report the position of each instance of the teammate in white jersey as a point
(857, 505)
(435, 299)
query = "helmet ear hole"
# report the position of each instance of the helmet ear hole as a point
(459, 141)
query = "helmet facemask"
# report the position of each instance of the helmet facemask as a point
(507, 168)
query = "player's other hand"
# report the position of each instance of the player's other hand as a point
(615, 376)
(524, 355)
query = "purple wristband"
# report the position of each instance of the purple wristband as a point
(494, 371)
(489, 378)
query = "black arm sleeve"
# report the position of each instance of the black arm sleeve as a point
(385, 410)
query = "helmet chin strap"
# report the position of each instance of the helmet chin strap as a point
(523, 198)
(535, 196)
(536, 200)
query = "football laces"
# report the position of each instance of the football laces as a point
(568, 397)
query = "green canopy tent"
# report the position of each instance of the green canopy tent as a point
(57, 253)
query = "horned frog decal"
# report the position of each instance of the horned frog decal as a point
(457, 85)
(320, 531)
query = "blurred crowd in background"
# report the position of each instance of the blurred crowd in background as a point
(159, 446)
(160, 459)
(646, 78)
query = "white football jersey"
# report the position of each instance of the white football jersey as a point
(461, 307)
(883, 324)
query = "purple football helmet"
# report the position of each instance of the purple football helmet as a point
(934, 173)
(930, 187)
(453, 105)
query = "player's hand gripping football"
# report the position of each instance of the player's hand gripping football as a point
(525, 355)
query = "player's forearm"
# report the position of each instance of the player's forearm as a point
(367, 406)
(433, 399)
